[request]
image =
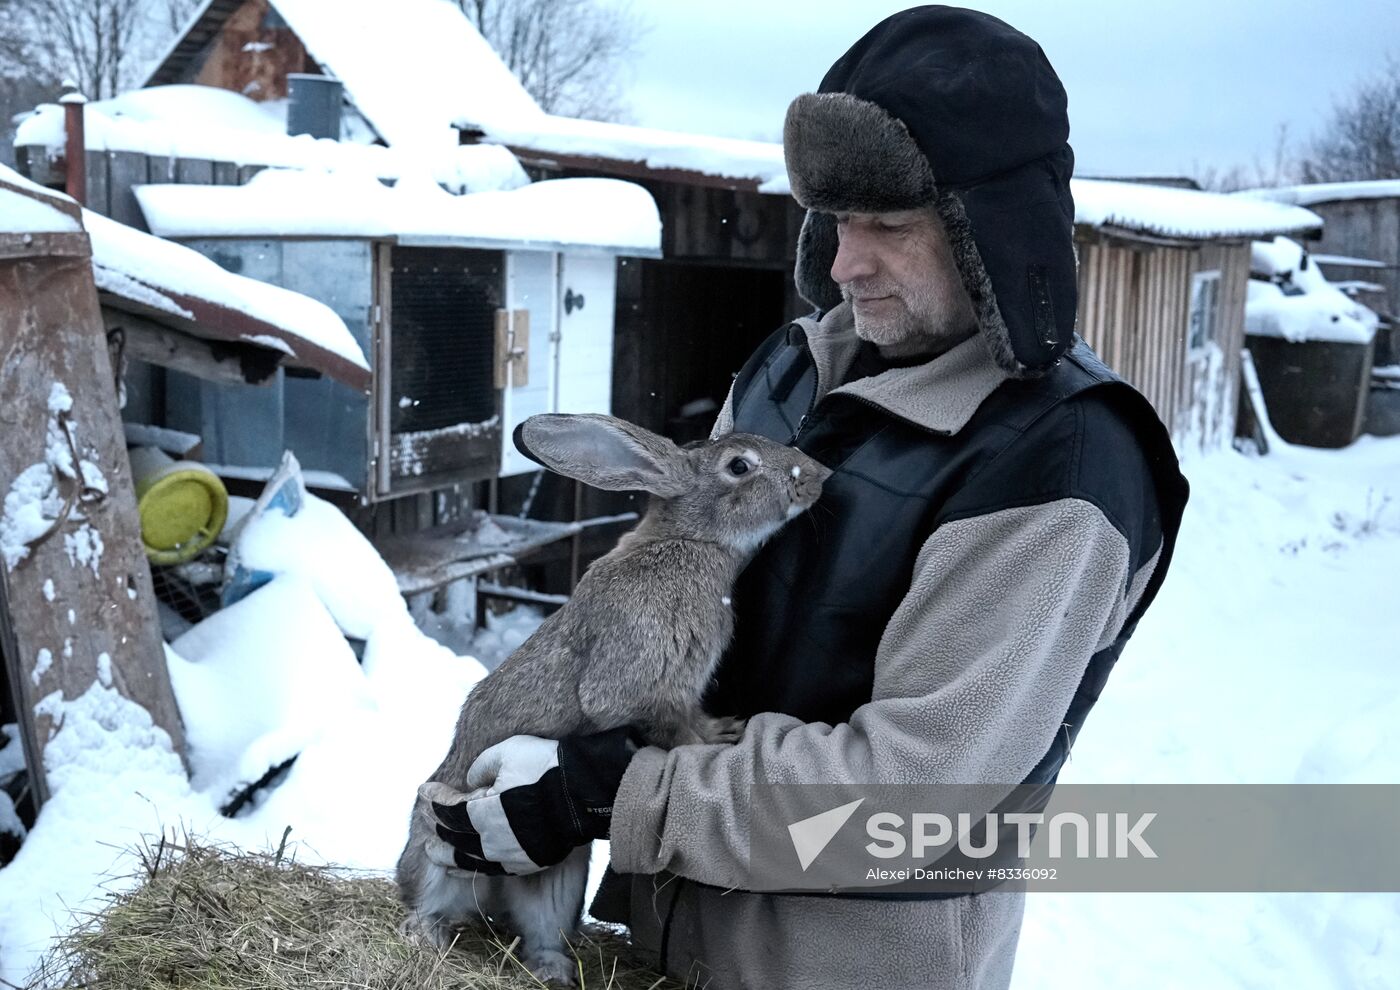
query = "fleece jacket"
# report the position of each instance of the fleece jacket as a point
(978, 559)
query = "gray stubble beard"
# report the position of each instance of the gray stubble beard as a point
(947, 321)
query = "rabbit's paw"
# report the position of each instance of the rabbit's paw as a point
(422, 929)
(553, 967)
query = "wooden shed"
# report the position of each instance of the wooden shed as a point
(1359, 246)
(1162, 284)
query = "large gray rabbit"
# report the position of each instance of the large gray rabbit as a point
(635, 645)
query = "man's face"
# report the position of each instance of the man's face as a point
(897, 271)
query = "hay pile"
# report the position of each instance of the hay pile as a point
(211, 918)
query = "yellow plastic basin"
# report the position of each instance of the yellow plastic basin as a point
(183, 506)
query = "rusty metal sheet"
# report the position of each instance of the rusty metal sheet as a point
(213, 321)
(76, 605)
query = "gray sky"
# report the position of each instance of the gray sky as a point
(1160, 88)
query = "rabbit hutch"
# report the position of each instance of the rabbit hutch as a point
(476, 312)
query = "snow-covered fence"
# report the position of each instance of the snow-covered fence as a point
(112, 176)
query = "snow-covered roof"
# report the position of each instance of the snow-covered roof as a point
(601, 214)
(1309, 308)
(28, 208)
(413, 68)
(148, 275)
(1182, 213)
(204, 122)
(732, 158)
(1350, 261)
(1326, 192)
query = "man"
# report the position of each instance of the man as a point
(1001, 512)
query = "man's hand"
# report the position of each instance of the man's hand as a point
(532, 802)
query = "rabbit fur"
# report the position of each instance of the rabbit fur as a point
(636, 644)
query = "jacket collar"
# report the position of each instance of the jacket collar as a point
(940, 395)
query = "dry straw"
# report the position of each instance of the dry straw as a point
(207, 917)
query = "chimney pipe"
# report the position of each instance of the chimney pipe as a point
(75, 152)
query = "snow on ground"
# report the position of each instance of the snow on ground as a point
(1269, 657)
(367, 735)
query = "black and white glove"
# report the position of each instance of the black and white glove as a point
(532, 802)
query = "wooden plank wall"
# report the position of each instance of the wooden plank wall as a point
(1134, 302)
(1363, 228)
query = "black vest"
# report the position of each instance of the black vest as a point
(811, 607)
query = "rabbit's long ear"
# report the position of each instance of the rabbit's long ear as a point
(604, 452)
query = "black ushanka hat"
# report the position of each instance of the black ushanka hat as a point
(951, 108)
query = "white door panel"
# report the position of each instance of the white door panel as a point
(584, 368)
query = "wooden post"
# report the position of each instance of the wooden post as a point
(76, 151)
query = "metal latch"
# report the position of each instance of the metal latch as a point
(512, 365)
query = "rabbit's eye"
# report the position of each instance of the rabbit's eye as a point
(738, 466)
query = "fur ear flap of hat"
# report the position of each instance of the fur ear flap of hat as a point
(816, 253)
(848, 154)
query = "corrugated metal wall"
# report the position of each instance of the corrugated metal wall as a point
(1134, 309)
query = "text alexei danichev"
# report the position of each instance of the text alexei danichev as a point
(925, 873)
